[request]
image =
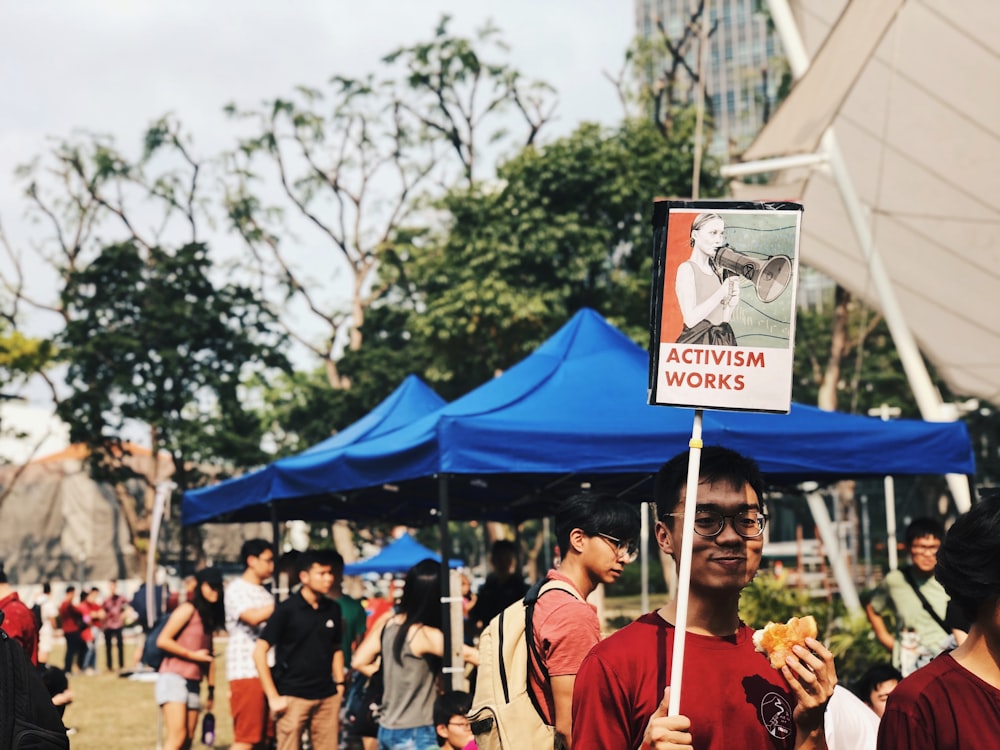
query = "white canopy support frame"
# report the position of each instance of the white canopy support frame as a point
(849, 45)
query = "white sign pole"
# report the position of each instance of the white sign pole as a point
(684, 574)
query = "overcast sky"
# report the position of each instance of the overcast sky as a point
(113, 66)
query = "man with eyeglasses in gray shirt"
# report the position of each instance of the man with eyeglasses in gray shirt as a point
(731, 696)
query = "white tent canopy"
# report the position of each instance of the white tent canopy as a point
(899, 106)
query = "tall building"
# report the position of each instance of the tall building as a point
(745, 63)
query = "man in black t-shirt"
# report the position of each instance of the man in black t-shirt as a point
(502, 587)
(306, 685)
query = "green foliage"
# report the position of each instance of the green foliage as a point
(301, 408)
(769, 598)
(21, 356)
(150, 339)
(451, 89)
(564, 227)
(871, 373)
(630, 582)
(854, 645)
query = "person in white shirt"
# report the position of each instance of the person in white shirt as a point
(49, 615)
(850, 723)
(248, 607)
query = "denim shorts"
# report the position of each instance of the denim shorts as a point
(415, 738)
(172, 688)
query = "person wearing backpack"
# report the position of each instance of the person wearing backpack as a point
(186, 639)
(597, 538)
(916, 600)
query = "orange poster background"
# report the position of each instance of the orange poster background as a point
(678, 251)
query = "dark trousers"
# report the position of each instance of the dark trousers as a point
(75, 649)
(114, 634)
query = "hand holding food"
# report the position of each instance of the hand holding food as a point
(776, 639)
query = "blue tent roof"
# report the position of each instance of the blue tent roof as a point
(245, 498)
(397, 557)
(575, 412)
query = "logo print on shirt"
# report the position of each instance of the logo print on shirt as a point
(776, 715)
(329, 623)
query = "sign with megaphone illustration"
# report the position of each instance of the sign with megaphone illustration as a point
(722, 328)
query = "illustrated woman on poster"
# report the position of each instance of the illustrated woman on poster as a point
(706, 301)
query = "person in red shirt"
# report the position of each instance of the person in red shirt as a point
(954, 701)
(93, 616)
(18, 621)
(596, 534)
(730, 695)
(72, 625)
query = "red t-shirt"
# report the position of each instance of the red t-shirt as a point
(730, 692)
(19, 624)
(89, 609)
(565, 629)
(70, 617)
(942, 706)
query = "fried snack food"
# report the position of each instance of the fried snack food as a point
(776, 639)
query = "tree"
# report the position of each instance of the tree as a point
(845, 358)
(659, 80)
(454, 91)
(356, 163)
(566, 226)
(21, 356)
(151, 340)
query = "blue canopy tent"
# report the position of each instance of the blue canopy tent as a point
(396, 557)
(252, 497)
(573, 414)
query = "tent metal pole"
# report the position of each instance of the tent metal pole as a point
(828, 536)
(276, 541)
(454, 668)
(927, 396)
(275, 527)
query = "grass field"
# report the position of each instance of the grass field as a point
(113, 713)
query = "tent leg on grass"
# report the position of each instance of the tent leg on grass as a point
(454, 666)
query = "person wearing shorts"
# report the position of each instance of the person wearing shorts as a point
(186, 639)
(248, 607)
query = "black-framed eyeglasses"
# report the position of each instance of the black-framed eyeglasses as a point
(627, 551)
(749, 524)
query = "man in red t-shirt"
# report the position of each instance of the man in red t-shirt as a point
(954, 702)
(18, 621)
(730, 695)
(72, 625)
(597, 535)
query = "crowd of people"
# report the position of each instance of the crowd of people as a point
(289, 663)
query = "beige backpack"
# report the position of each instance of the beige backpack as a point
(505, 714)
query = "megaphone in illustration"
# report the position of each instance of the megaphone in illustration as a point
(770, 276)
